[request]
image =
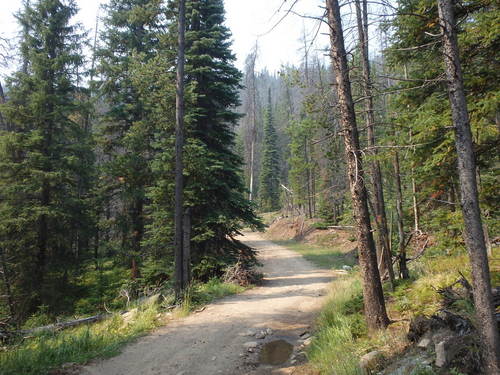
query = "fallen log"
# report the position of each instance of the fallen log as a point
(420, 253)
(340, 227)
(6, 335)
(63, 325)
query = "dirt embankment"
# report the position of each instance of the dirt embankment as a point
(305, 230)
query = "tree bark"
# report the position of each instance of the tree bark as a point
(308, 178)
(6, 280)
(403, 267)
(137, 233)
(186, 248)
(375, 312)
(384, 255)
(253, 131)
(473, 233)
(179, 146)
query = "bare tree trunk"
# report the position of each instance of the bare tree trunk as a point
(186, 248)
(414, 198)
(384, 255)
(375, 312)
(6, 280)
(136, 215)
(179, 145)
(308, 178)
(473, 234)
(254, 127)
(252, 163)
(416, 215)
(403, 268)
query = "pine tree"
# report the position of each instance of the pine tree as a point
(45, 160)
(214, 187)
(214, 191)
(130, 37)
(299, 161)
(270, 168)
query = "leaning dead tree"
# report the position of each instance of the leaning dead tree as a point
(473, 233)
(375, 312)
(384, 253)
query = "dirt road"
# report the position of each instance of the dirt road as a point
(212, 342)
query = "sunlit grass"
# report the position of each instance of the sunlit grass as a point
(333, 350)
(48, 351)
(321, 256)
(200, 294)
(45, 352)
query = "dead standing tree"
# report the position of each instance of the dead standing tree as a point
(250, 83)
(474, 234)
(384, 252)
(375, 312)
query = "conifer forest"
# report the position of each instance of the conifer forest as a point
(146, 160)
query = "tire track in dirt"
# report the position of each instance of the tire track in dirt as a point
(211, 342)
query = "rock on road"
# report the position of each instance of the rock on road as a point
(212, 341)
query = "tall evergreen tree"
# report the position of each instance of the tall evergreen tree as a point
(45, 160)
(270, 170)
(130, 36)
(182, 256)
(214, 187)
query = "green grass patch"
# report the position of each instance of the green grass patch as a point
(321, 256)
(334, 349)
(201, 294)
(48, 351)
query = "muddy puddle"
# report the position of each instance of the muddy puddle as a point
(275, 352)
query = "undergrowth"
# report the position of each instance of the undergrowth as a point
(322, 256)
(333, 350)
(200, 294)
(341, 337)
(50, 350)
(47, 351)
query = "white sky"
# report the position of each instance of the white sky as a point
(249, 20)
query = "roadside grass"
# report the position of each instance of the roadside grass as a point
(45, 352)
(321, 256)
(201, 294)
(334, 348)
(341, 336)
(50, 350)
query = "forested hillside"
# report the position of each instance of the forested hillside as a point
(87, 156)
(132, 157)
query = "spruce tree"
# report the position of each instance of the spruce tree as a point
(130, 37)
(270, 169)
(214, 191)
(214, 187)
(44, 160)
